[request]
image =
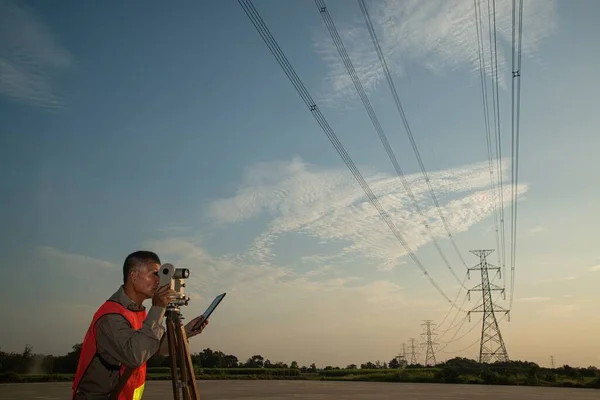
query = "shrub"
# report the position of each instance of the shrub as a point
(9, 377)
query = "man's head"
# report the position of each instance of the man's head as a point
(140, 273)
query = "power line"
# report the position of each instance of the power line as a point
(486, 113)
(271, 43)
(469, 346)
(516, 81)
(392, 87)
(455, 316)
(461, 350)
(454, 338)
(497, 132)
(382, 136)
(499, 175)
(459, 324)
(400, 109)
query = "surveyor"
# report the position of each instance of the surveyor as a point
(123, 336)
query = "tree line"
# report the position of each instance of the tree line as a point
(27, 362)
(452, 371)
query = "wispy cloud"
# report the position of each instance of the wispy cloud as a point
(562, 310)
(559, 279)
(29, 56)
(536, 230)
(85, 263)
(329, 206)
(594, 268)
(534, 299)
(440, 35)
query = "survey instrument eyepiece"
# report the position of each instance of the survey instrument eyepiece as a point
(181, 273)
(169, 275)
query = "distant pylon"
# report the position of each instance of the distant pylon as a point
(402, 357)
(552, 361)
(413, 354)
(430, 355)
(492, 346)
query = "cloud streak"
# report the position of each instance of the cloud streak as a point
(328, 205)
(537, 229)
(29, 57)
(85, 263)
(439, 35)
(534, 299)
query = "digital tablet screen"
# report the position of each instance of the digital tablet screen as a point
(209, 310)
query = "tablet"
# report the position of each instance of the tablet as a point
(209, 311)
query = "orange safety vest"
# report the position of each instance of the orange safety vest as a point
(134, 388)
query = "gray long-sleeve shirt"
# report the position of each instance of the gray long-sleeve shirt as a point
(117, 342)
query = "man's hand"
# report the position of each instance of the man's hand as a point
(190, 325)
(163, 296)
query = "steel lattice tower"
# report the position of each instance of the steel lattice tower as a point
(430, 355)
(492, 346)
(413, 354)
(402, 356)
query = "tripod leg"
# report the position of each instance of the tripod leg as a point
(172, 338)
(181, 340)
(186, 359)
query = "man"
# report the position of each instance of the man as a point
(123, 336)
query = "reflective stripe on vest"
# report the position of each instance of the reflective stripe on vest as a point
(134, 388)
(137, 393)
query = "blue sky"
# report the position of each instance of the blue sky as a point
(174, 129)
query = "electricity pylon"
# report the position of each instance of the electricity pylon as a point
(492, 346)
(413, 354)
(430, 355)
(402, 356)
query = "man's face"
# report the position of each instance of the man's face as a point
(146, 279)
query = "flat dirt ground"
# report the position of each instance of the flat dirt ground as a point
(272, 390)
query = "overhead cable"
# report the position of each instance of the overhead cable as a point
(271, 43)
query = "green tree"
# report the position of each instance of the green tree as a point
(256, 361)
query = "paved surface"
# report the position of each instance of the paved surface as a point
(319, 390)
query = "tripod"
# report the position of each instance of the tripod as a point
(185, 388)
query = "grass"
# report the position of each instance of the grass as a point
(428, 375)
